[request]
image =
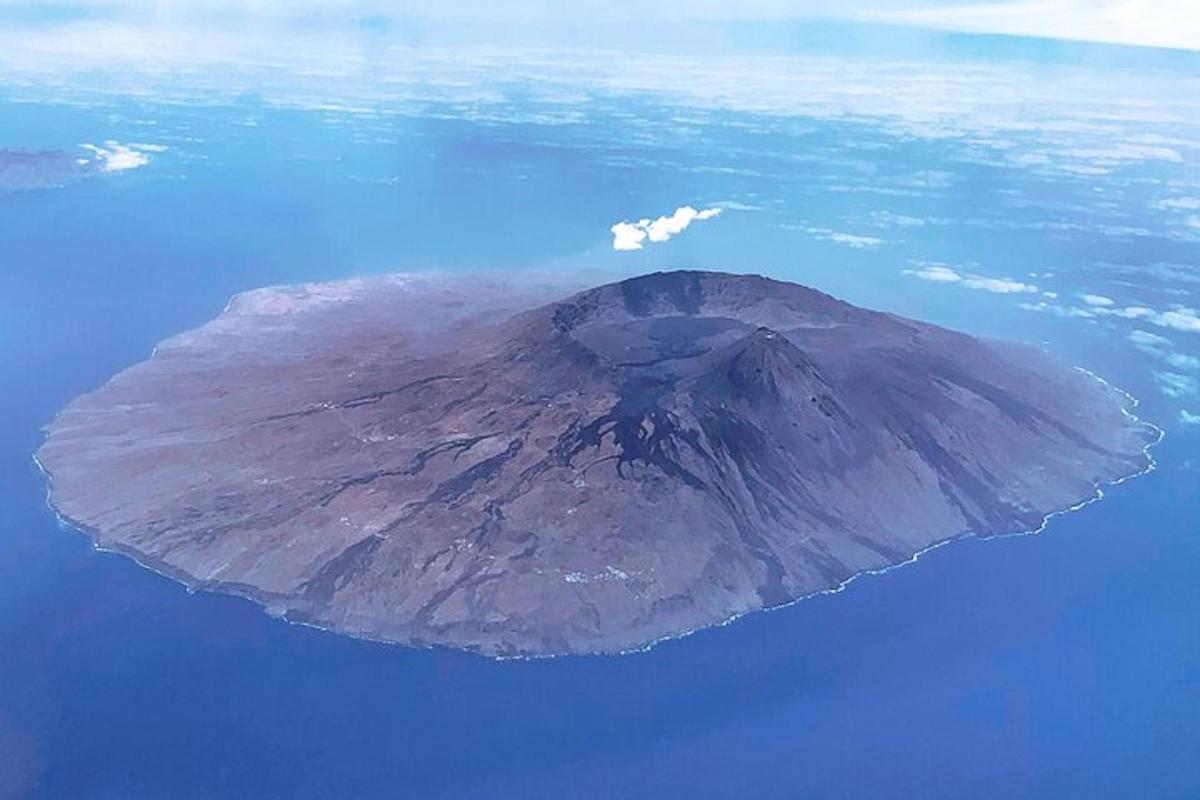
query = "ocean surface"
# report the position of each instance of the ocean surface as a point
(1058, 205)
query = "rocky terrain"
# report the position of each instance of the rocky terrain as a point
(470, 464)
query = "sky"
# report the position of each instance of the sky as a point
(1154, 23)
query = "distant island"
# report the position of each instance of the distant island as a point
(472, 464)
(23, 170)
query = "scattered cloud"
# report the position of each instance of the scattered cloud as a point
(1085, 121)
(1058, 310)
(1188, 418)
(935, 272)
(1177, 204)
(1177, 385)
(1183, 361)
(1180, 319)
(998, 285)
(1127, 152)
(1129, 312)
(1163, 349)
(1176, 318)
(1146, 339)
(634, 235)
(941, 273)
(837, 237)
(848, 239)
(890, 219)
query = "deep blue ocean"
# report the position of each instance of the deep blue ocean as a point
(1062, 665)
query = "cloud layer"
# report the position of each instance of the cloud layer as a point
(1150, 23)
(634, 235)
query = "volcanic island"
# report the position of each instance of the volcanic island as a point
(489, 467)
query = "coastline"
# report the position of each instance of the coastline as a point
(275, 606)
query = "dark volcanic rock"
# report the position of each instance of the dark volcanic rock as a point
(422, 462)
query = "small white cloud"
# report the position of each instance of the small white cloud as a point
(629, 235)
(633, 235)
(1111, 155)
(1097, 300)
(1183, 361)
(115, 157)
(848, 239)
(998, 285)
(1178, 204)
(663, 228)
(888, 219)
(855, 241)
(1188, 418)
(1180, 319)
(941, 273)
(1058, 310)
(935, 272)
(1163, 349)
(1146, 339)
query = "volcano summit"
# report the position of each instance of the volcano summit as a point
(461, 463)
